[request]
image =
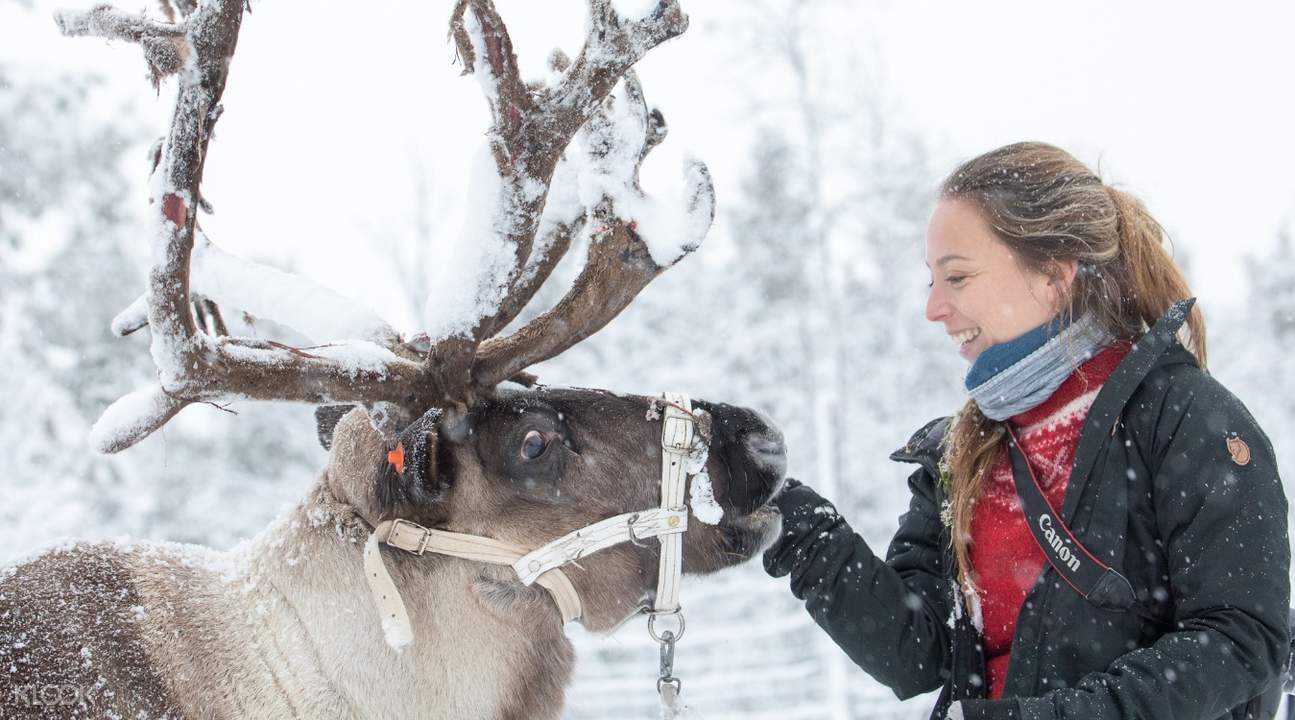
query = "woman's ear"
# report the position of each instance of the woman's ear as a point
(1061, 280)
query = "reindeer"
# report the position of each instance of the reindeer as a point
(465, 513)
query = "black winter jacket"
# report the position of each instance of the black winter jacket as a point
(1158, 492)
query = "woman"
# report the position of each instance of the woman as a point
(1058, 291)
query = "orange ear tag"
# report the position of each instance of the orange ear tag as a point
(397, 458)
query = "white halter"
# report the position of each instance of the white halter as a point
(543, 565)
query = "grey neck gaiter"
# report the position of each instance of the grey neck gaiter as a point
(1029, 381)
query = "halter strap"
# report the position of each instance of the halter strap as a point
(414, 538)
(677, 431)
(629, 527)
(543, 565)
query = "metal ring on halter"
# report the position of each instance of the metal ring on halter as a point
(653, 615)
(634, 539)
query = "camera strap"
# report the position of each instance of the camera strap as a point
(1099, 583)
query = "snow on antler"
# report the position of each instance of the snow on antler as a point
(606, 158)
(314, 311)
(519, 230)
(616, 142)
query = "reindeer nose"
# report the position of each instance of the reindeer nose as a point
(752, 451)
(767, 449)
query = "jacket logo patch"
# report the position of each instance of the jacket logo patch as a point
(1239, 450)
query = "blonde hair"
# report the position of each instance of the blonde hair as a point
(1048, 207)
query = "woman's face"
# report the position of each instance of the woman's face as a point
(979, 292)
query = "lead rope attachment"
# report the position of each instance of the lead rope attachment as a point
(678, 433)
(667, 685)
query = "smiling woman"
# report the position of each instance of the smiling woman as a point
(1092, 433)
(979, 290)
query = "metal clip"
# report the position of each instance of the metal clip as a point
(666, 676)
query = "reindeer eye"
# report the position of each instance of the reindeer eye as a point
(534, 445)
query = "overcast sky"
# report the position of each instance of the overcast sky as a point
(329, 110)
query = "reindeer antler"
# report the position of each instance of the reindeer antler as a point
(532, 127)
(620, 262)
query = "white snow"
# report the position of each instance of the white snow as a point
(317, 312)
(700, 451)
(676, 225)
(356, 356)
(701, 494)
(653, 410)
(481, 69)
(960, 596)
(128, 416)
(398, 635)
(561, 207)
(634, 9)
(701, 499)
(605, 155)
(472, 278)
(134, 315)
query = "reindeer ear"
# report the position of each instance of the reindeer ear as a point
(411, 476)
(326, 419)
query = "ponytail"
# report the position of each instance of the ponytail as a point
(1154, 279)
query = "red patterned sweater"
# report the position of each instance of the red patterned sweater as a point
(1006, 559)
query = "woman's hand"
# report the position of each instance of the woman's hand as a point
(801, 509)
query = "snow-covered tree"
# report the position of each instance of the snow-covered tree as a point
(61, 263)
(71, 258)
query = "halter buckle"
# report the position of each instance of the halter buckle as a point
(677, 430)
(424, 534)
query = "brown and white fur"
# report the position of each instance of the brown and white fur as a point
(284, 626)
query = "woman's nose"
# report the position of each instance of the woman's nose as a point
(937, 308)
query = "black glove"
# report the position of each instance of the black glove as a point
(805, 516)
